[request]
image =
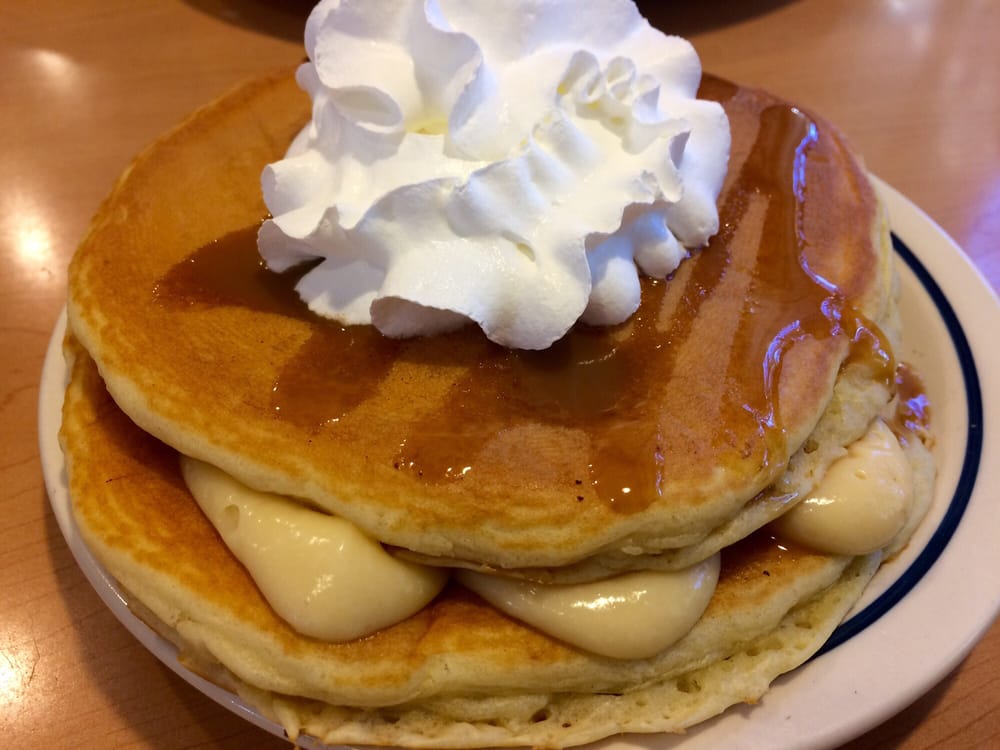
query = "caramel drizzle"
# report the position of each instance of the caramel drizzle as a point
(321, 383)
(590, 380)
(230, 272)
(791, 311)
(911, 417)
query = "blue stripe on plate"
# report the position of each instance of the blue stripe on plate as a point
(966, 481)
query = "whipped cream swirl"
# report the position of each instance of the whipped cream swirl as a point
(514, 164)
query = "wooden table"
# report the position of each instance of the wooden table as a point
(86, 84)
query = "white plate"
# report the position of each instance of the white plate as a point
(924, 611)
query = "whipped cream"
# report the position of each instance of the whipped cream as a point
(513, 164)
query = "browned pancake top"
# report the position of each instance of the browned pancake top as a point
(665, 425)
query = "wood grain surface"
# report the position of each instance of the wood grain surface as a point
(84, 85)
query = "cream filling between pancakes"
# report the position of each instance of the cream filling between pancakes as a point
(861, 503)
(329, 580)
(321, 574)
(631, 616)
(324, 577)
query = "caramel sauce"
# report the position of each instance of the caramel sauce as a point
(788, 302)
(230, 272)
(605, 384)
(912, 415)
(321, 383)
(337, 369)
(870, 349)
(594, 380)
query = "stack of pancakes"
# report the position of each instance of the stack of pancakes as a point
(650, 445)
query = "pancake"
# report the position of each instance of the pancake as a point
(456, 674)
(453, 448)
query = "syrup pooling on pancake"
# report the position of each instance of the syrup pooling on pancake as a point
(593, 381)
(912, 416)
(229, 271)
